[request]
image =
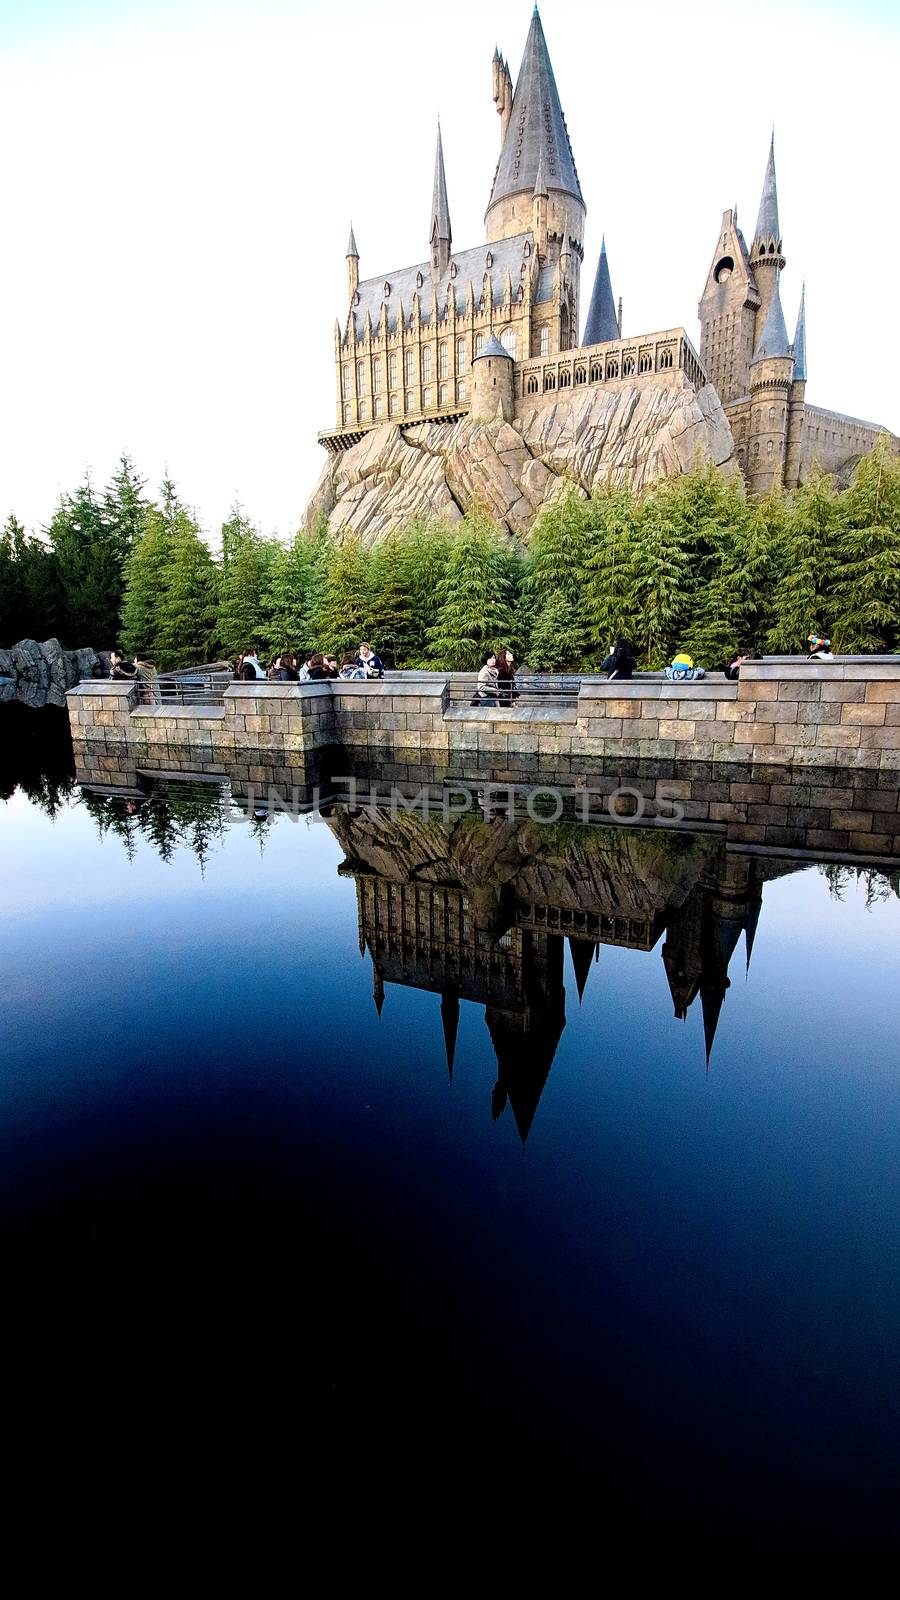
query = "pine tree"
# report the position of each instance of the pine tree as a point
(294, 588)
(553, 584)
(867, 579)
(125, 509)
(90, 568)
(146, 576)
(189, 600)
(661, 579)
(802, 598)
(243, 617)
(342, 620)
(474, 613)
(391, 621)
(611, 535)
(423, 552)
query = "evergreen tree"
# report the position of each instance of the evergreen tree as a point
(473, 612)
(802, 599)
(90, 568)
(125, 509)
(342, 619)
(146, 576)
(243, 600)
(12, 597)
(553, 584)
(867, 580)
(295, 580)
(661, 576)
(608, 601)
(391, 622)
(189, 599)
(423, 552)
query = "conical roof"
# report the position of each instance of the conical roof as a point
(582, 952)
(493, 347)
(450, 1024)
(774, 340)
(767, 221)
(602, 323)
(800, 338)
(536, 120)
(351, 248)
(440, 209)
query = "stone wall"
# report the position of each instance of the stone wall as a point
(40, 674)
(786, 713)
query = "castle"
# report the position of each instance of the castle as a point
(490, 334)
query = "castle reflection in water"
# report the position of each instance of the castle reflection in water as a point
(480, 906)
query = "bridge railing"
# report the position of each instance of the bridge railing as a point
(197, 688)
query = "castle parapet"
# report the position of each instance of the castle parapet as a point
(655, 357)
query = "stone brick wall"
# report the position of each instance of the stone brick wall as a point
(784, 712)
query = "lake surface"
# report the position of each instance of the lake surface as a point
(539, 1161)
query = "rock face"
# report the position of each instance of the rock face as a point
(636, 433)
(40, 674)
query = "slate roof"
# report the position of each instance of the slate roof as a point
(767, 221)
(507, 254)
(800, 338)
(493, 348)
(351, 248)
(440, 209)
(602, 322)
(773, 340)
(536, 121)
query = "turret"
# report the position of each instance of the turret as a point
(352, 264)
(441, 237)
(539, 209)
(797, 400)
(766, 259)
(493, 387)
(602, 322)
(535, 125)
(727, 313)
(771, 374)
(502, 91)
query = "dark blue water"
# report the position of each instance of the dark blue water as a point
(581, 1263)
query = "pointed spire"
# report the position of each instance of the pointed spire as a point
(773, 340)
(750, 928)
(441, 236)
(450, 1024)
(602, 322)
(351, 247)
(582, 952)
(540, 185)
(378, 988)
(800, 339)
(536, 119)
(767, 229)
(711, 998)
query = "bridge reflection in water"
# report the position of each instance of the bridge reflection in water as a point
(479, 903)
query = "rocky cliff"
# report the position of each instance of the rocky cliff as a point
(40, 674)
(631, 433)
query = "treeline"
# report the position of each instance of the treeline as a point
(690, 565)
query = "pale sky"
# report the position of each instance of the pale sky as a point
(178, 179)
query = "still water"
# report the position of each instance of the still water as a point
(560, 1159)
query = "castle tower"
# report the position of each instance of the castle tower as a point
(727, 313)
(539, 209)
(536, 128)
(441, 237)
(493, 391)
(602, 322)
(503, 92)
(797, 400)
(771, 375)
(766, 259)
(352, 265)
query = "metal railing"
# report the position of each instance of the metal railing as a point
(529, 688)
(169, 689)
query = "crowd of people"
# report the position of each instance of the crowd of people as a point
(311, 666)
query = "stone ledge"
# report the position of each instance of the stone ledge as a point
(659, 688)
(484, 715)
(195, 713)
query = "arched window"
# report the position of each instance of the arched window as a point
(612, 369)
(565, 379)
(376, 374)
(771, 413)
(395, 405)
(545, 341)
(527, 250)
(392, 370)
(387, 290)
(665, 359)
(755, 449)
(444, 394)
(346, 413)
(549, 380)
(479, 343)
(418, 280)
(443, 361)
(460, 355)
(508, 341)
(580, 375)
(628, 367)
(378, 406)
(410, 401)
(770, 447)
(531, 386)
(345, 382)
(426, 363)
(596, 372)
(461, 389)
(453, 269)
(489, 260)
(646, 362)
(408, 366)
(360, 377)
(362, 411)
(426, 397)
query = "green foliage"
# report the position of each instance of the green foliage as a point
(805, 564)
(553, 584)
(608, 601)
(474, 611)
(342, 618)
(294, 588)
(243, 613)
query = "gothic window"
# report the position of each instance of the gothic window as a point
(665, 360)
(408, 366)
(596, 372)
(612, 369)
(395, 405)
(376, 374)
(481, 303)
(362, 411)
(628, 367)
(410, 401)
(489, 260)
(418, 280)
(520, 294)
(345, 382)
(460, 355)
(378, 406)
(580, 375)
(444, 394)
(755, 449)
(426, 363)
(426, 397)
(527, 250)
(770, 447)
(479, 343)
(361, 377)
(461, 389)
(387, 291)
(392, 370)
(549, 380)
(646, 362)
(443, 361)
(508, 341)
(346, 413)
(453, 269)
(545, 341)
(565, 379)
(771, 413)
(532, 385)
